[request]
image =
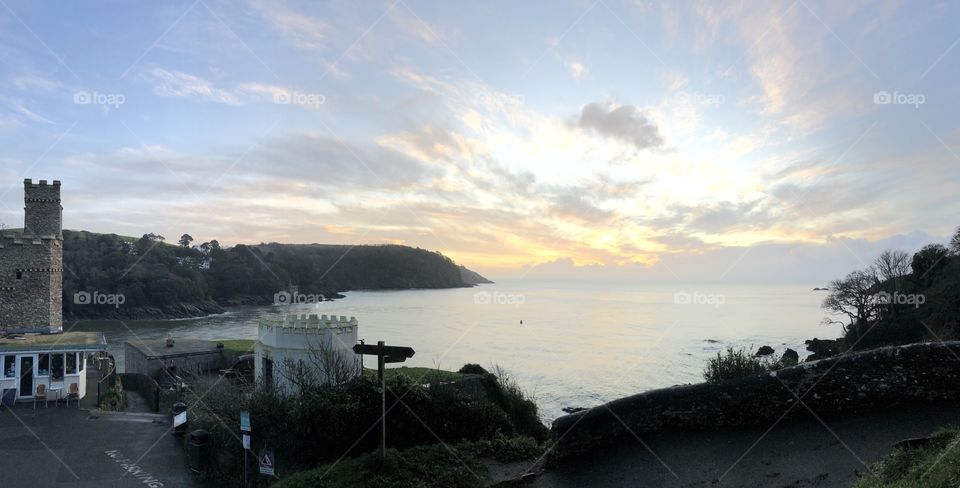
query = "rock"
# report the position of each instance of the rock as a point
(822, 347)
(789, 358)
(764, 351)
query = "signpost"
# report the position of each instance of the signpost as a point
(245, 432)
(385, 354)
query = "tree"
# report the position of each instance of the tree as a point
(955, 242)
(853, 296)
(185, 240)
(928, 261)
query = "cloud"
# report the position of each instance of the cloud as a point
(178, 84)
(626, 123)
(302, 30)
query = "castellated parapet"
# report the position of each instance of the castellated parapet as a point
(304, 339)
(31, 263)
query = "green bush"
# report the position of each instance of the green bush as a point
(457, 465)
(327, 423)
(936, 465)
(735, 363)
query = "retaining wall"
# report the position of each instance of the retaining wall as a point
(862, 381)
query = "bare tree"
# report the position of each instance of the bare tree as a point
(853, 296)
(323, 365)
(893, 266)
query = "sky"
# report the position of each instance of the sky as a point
(598, 139)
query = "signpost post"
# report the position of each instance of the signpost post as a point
(245, 432)
(385, 354)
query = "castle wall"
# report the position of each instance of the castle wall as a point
(304, 340)
(31, 263)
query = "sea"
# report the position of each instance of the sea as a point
(565, 343)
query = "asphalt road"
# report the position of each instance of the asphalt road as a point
(803, 453)
(67, 447)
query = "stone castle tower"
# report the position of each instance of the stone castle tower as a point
(31, 263)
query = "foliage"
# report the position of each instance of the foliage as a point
(114, 399)
(472, 369)
(935, 465)
(151, 273)
(420, 375)
(346, 418)
(898, 300)
(437, 465)
(735, 363)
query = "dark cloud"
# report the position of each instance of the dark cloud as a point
(626, 123)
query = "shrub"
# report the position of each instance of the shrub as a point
(934, 465)
(735, 363)
(472, 369)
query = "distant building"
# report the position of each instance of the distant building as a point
(33, 349)
(150, 357)
(310, 342)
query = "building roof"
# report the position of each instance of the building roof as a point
(157, 348)
(66, 341)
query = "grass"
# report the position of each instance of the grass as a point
(936, 465)
(242, 346)
(420, 374)
(459, 465)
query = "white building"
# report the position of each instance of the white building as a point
(56, 361)
(311, 342)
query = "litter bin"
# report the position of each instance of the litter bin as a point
(178, 408)
(198, 450)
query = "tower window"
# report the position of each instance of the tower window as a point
(19, 275)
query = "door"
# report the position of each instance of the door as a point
(26, 375)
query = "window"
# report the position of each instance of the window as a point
(19, 275)
(71, 363)
(81, 360)
(43, 365)
(56, 366)
(9, 363)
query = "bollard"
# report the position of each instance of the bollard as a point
(198, 450)
(181, 429)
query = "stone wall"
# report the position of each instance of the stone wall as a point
(857, 382)
(31, 263)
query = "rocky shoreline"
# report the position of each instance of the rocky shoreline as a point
(165, 312)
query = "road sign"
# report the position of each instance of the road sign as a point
(244, 421)
(387, 351)
(385, 354)
(246, 441)
(267, 462)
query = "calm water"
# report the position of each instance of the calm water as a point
(580, 344)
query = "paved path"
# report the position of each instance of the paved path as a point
(67, 447)
(803, 453)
